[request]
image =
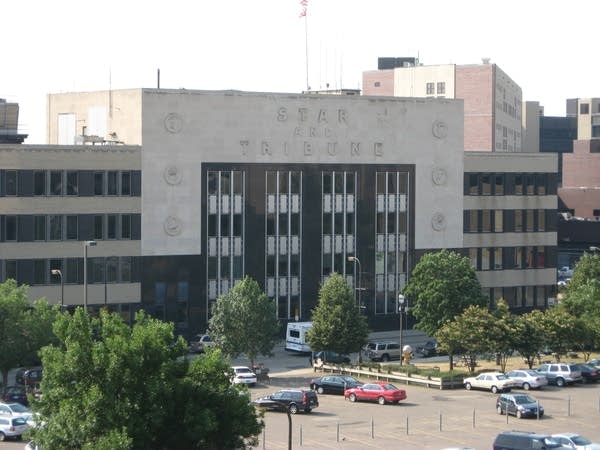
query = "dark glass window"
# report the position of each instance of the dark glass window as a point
(327, 182)
(391, 183)
(39, 182)
(283, 182)
(530, 184)
(283, 224)
(111, 226)
(213, 182)
(350, 223)
(211, 264)
(238, 267)
(486, 184)
(518, 220)
(271, 224)
(39, 271)
(339, 182)
(225, 222)
(381, 223)
(295, 224)
(327, 223)
(99, 227)
(391, 223)
(72, 270)
(238, 182)
(402, 183)
(498, 221)
(486, 220)
(473, 221)
(381, 182)
(541, 220)
(11, 228)
(518, 184)
(98, 183)
(11, 182)
(295, 183)
(56, 182)
(350, 183)
(10, 269)
(225, 270)
(225, 182)
(125, 269)
(499, 184)
(72, 227)
(529, 223)
(125, 226)
(237, 225)
(271, 265)
(72, 182)
(212, 224)
(271, 182)
(541, 180)
(339, 223)
(473, 184)
(56, 264)
(125, 183)
(111, 183)
(55, 227)
(112, 269)
(40, 228)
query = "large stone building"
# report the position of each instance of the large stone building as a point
(281, 187)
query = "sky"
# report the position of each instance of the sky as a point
(546, 47)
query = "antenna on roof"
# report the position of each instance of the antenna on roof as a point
(157, 78)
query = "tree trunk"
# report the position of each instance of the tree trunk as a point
(4, 380)
(451, 361)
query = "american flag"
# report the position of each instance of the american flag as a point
(304, 4)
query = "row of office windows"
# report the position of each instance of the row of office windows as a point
(509, 220)
(512, 258)
(520, 296)
(83, 183)
(512, 183)
(57, 227)
(32, 272)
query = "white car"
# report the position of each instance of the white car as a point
(492, 381)
(575, 441)
(12, 427)
(565, 272)
(15, 410)
(243, 375)
(527, 379)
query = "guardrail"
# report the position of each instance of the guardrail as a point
(421, 380)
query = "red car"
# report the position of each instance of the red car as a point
(381, 392)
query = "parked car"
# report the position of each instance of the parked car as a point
(381, 392)
(243, 375)
(522, 440)
(12, 427)
(429, 349)
(575, 441)
(527, 379)
(493, 381)
(560, 373)
(16, 394)
(520, 405)
(200, 343)
(333, 384)
(565, 272)
(292, 400)
(331, 357)
(382, 351)
(594, 362)
(15, 410)
(28, 375)
(589, 373)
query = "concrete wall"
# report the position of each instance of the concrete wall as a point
(183, 129)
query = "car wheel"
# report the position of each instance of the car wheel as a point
(352, 397)
(560, 382)
(293, 408)
(494, 389)
(320, 390)
(385, 358)
(2, 436)
(381, 401)
(519, 414)
(468, 386)
(526, 386)
(499, 409)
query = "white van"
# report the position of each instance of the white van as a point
(295, 337)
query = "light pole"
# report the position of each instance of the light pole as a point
(62, 287)
(359, 288)
(86, 244)
(401, 311)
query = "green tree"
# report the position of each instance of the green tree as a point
(244, 321)
(111, 386)
(468, 333)
(337, 323)
(503, 330)
(530, 335)
(586, 269)
(24, 328)
(442, 285)
(560, 328)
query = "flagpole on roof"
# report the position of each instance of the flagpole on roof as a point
(304, 4)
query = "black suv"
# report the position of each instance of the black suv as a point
(292, 400)
(521, 440)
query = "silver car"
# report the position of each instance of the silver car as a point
(575, 441)
(527, 379)
(12, 427)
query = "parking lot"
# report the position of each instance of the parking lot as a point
(428, 419)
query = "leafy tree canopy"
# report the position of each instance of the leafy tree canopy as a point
(442, 285)
(111, 386)
(337, 322)
(583, 291)
(530, 335)
(24, 328)
(244, 321)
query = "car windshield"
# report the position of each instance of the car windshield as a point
(501, 377)
(372, 346)
(242, 370)
(17, 407)
(524, 399)
(533, 373)
(390, 387)
(580, 440)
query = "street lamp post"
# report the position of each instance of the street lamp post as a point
(86, 244)
(400, 312)
(62, 287)
(359, 288)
